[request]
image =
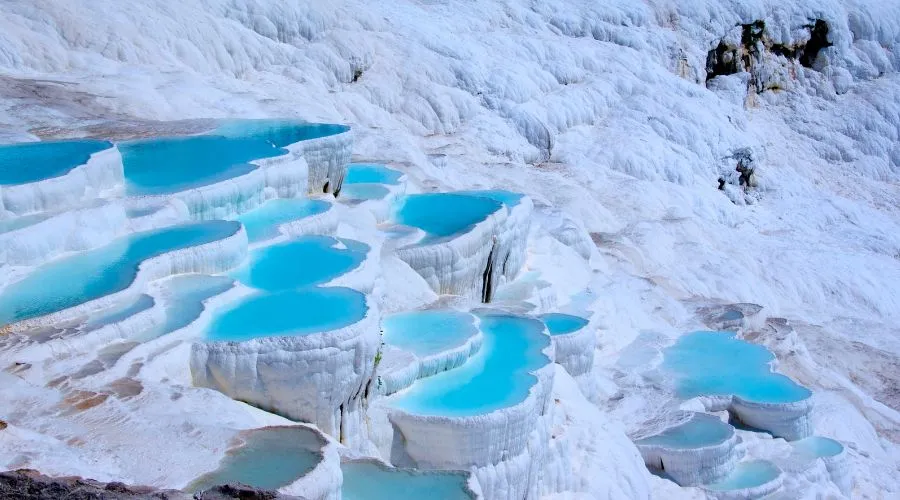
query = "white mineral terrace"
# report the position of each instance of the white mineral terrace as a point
(569, 249)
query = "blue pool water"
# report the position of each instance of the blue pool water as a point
(700, 431)
(262, 223)
(172, 164)
(747, 475)
(90, 275)
(134, 213)
(445, 214)
(424, 333)
(498, 376)
(184, 301)
(718, 363)
(364, 191)
(34, 161)
(370, 481)
(278, 132)
(561, 324)
(309, 260)
(270, 458)
(119, 312)
(367, 173)
(311, 310)
(508, 198)
(818, 446)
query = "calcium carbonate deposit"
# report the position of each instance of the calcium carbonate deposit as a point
(499, 250)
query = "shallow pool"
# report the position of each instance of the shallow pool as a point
(718, 363)
(172, 164)
(699, 431)
(278, 132)
(444, 214)
(425, 333)
(496, 377)
(288, 313)
(561, 324)
(90, 275)
(169, 165)
(747, 475)
(35, 161)
(818, 447)
(270, 458)
(508, 198)
(370, 173)
(119, 312)
(308, 260)
(369, 481)
(364, 191)
(262, 223)
(184, 296)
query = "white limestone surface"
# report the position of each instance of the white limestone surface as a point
(475, 441)
(458, 265)
(788, 420)
(508, 254)
(325, 223)
(153, 213)
(575, 350)
(327, 158)
(209, 258)
(689, 465)
(319, 378)
(69, 231)
(103, 173)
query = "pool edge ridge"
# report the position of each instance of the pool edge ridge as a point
(243, 371)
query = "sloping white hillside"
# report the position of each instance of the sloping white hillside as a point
(598, 110)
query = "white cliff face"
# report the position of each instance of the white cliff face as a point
(101, 175)
(326, 384)
(473, 264)
(575, 351)
(688, 461)
(327, 158)
(69, 231)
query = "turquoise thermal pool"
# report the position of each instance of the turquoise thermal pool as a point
(36, 161)
(368, 173)
(364, 192)
(561, 324)
(443, 215)
(262, 223)
(508, 198)
(309, 260)
(818, 447)
(699, 431)
(719, 364)
(184, 301)
(93, 274)
(312, 310)
(369, 481)
(172, 164)
(497, 376)
(747, 475)
(269, 458)
(425, 333)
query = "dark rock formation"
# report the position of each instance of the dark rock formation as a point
(26, 484)
(728, 59)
